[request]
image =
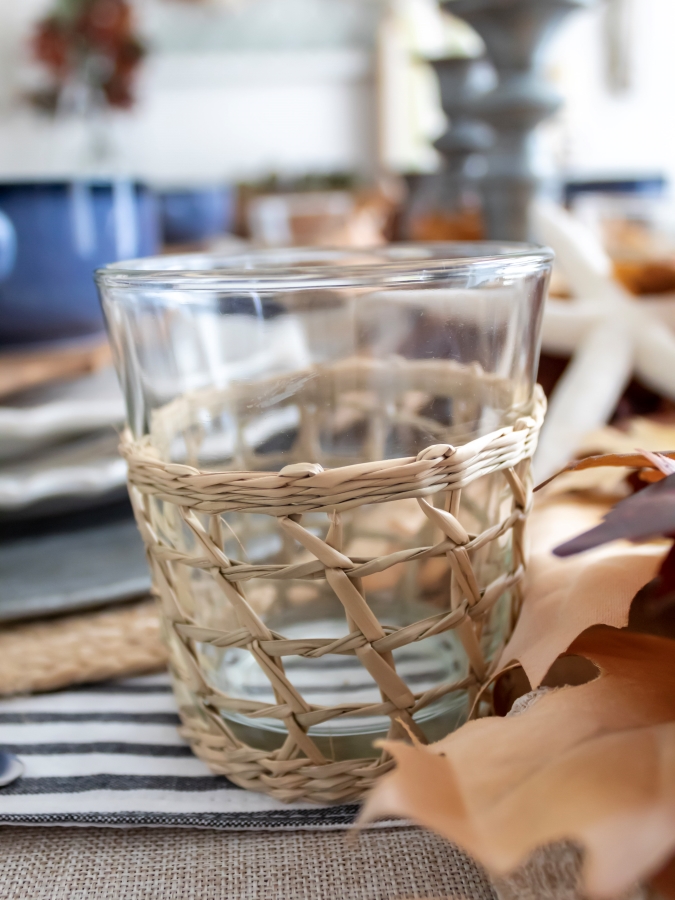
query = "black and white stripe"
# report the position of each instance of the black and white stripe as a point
(110, 754)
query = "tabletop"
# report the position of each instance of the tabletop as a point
(190, 864)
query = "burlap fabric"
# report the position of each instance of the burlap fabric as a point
(154, 864)
(552, 873)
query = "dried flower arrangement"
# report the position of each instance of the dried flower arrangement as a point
(591, 759)
(92, 43)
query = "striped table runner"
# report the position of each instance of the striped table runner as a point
(110, 754)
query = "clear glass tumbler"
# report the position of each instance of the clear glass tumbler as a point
(323, 359)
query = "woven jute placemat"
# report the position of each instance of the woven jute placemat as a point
(55, 653)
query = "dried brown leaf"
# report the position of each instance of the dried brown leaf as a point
(648, 514)
(564, 597)
(593, 764)
(636, 460)
(662, 463)
(610, 481)
(664, 881)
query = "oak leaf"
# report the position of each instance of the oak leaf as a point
(647, 514)
(609, 481)
(564, 597)
(634, 460)
(594, 764)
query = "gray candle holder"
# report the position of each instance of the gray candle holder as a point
(455, 188)
(467, 137)
(515, 33)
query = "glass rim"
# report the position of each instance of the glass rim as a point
(307, 268)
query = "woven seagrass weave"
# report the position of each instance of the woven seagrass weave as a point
(182, 512)
(50, 654)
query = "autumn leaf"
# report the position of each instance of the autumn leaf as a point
(564, 597)
(636, 460)
(664, 881)
(591, 475)
(594, 764)
(647, 514)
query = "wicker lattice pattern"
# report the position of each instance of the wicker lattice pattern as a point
(171, 499)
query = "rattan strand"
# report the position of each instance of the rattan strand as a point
(164, 494)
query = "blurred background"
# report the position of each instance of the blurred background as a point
(130, 127)
(241, 90)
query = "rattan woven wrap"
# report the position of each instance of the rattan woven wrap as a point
(170, 498)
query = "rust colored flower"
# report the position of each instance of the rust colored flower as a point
(93, 41)
(105, 23)
(51, 46)
(118, 92)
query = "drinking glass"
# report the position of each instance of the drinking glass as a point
(298, 362)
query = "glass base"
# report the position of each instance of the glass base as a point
(334, 680)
